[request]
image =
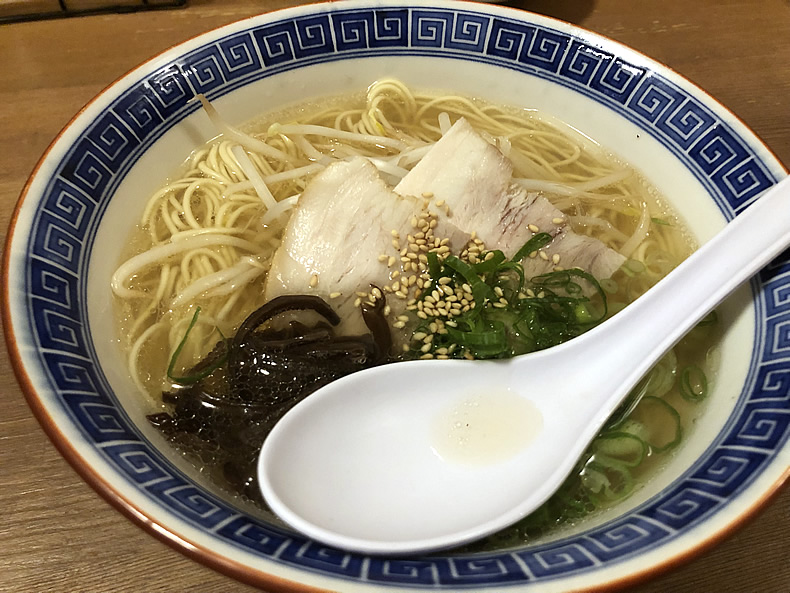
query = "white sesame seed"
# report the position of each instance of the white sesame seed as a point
(399, 324)
(555, 258)
(557, 220)
(334, 295)
(314, 281)
(543, 255)
(533, 227)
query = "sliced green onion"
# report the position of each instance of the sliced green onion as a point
(480, 290)
(609, 285)
(434, 268)
(489, 265)
(661, 414)
(633, 267)
(483, 342)
(204, 372)
(625, 447)
(693, 383)
(607, 478)
(535, 242)
(661, 377)
(636, 428)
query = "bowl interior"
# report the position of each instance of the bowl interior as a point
(91, 189)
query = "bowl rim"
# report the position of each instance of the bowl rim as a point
(195, 550)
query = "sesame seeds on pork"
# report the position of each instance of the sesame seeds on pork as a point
(352, 232)
(472, 180)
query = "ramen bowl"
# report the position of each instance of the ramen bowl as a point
(90, 188)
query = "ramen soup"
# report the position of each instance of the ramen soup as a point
(393, 225)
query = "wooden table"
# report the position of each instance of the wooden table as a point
(56, 534)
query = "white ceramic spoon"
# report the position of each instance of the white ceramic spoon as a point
(373, 463)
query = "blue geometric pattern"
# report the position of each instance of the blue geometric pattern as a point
(71, 209)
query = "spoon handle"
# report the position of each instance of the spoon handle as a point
(638, 336)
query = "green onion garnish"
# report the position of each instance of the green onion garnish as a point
(693, 383)
(204, 372)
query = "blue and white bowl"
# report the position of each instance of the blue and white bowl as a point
(91, 185)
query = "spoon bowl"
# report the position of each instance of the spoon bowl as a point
(426, 455)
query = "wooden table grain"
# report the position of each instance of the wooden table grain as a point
(57, 535)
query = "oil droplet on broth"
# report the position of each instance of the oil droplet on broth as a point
(485, 428)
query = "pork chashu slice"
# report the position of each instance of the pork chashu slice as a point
(472, 180)
(342, 223)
